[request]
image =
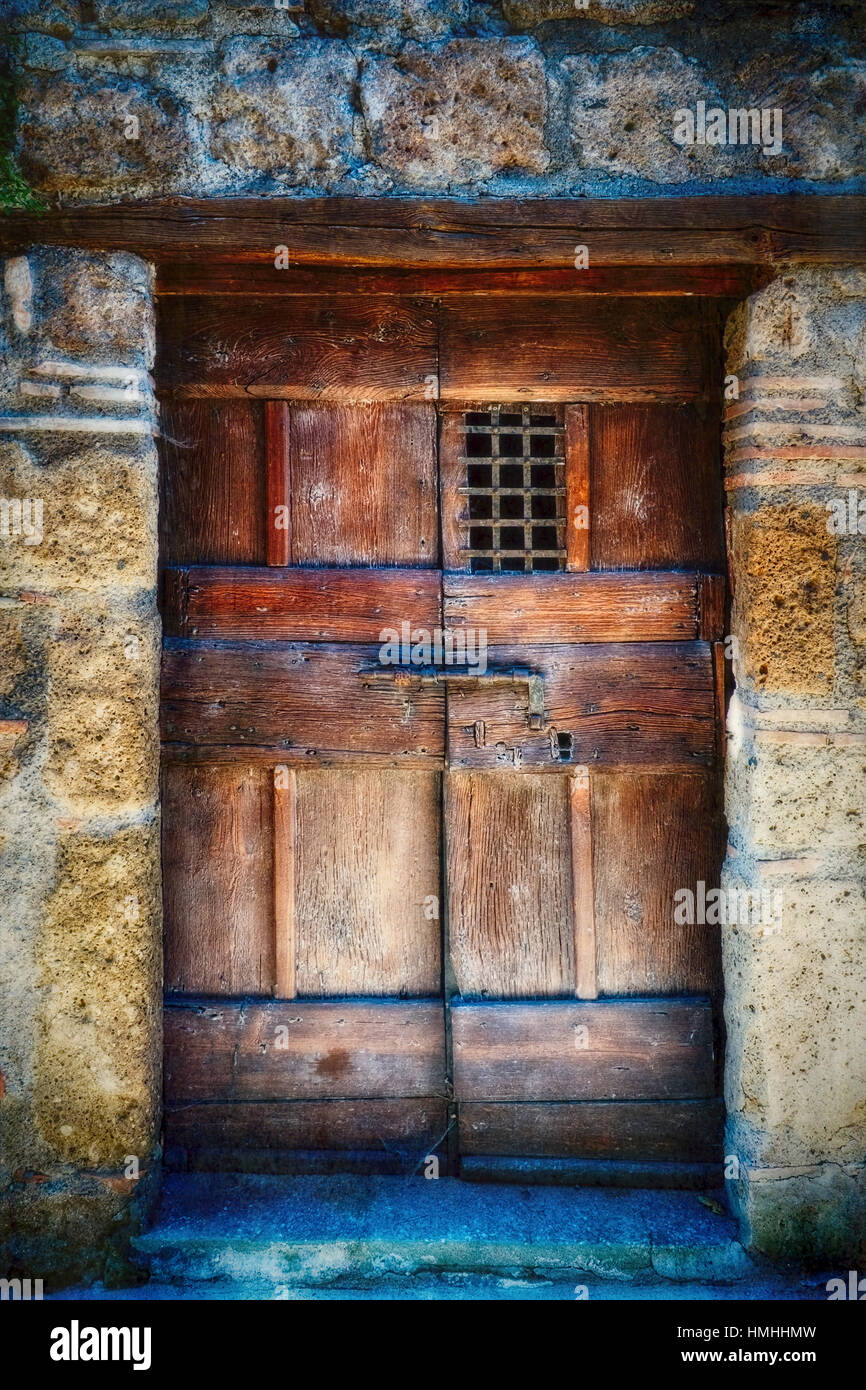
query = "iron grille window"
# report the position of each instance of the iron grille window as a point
(514, 464)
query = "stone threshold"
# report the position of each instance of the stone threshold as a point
(277, 1236)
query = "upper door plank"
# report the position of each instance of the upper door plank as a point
(553, 349)
(355, 349)
(364, 485)
(213, 500)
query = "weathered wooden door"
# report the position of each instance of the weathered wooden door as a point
(440, 710)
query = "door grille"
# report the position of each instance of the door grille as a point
(514, 468)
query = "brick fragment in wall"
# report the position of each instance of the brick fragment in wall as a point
(795, 989)
(783, 559)
(97, 1069)
(454, 113)
(286, 110)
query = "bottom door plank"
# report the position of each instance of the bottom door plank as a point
(638, 1131)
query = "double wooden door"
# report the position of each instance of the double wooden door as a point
(441, 702)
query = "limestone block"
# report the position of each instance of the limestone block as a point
(526, 14)
(789, 796)
(98, 1059)
(795, 1009)
(254, 17)
(178, 16)
(94, 307)
(417, 19)
(811, 94)
(286, 109)
(783, 559)
(816, 1216)
(457, 113)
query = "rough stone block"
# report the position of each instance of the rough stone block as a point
(98, 1059)
(815, 1216)
(253, 17)
(458, 113)
(811, 93)
(526, 14)
(787, 797)
(286, 110)
(178, 16)
(784, 570)
(417, 19)
(77, 136)
(795, 1008)
(98, 516)
(93, 307)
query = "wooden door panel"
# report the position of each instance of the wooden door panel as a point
(654, 833)
(212, 483)
(604, 705)
(656, 486)
(557, 349)
(572, 608)
(380, 1136)
(299, 703)
(367, 874)
(647, 1049)
(371, 348)
(363, 485)
(637, 1131)
(273, 1050)
(217, 857)
(508, 872)
(297, 605)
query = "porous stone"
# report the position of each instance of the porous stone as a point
(94, 307)
(262, 17)
(286, 110)
(621, 116)
(784, 560)
(60, 17)
(178, 16)
(103, 135)
(792, 796)
(817, 144)
(816, 1216)
(457, 114)
(527, 14)
(795, 984)
(97, 1070)
(417, 19)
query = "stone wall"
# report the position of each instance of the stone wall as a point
(80, 953)
(796, 772)
(140, 99)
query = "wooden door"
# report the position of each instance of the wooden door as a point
(428, 907)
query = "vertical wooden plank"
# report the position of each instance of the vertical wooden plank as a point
(451, 478)
(711, 607)
(720, 682)
(285, 831)
(278, 536)
(583, 887)
(577, 488)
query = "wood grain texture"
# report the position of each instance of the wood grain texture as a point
(582, 884)
(310, 699)
(649, 1131)
(484, 232)
(452, 477)
(350, 349)
(624, 704)
(549, 349)
(298, 605)
(285, 874)
(368, 883)
(657, 490)
(364, 485)
(238, 1050)
(212, 483)
(510, 909)
(402, 1129)
(577, 488)
(278, 541)
(570, 608)
(217, 846)
(652, 835)
(589, 1050)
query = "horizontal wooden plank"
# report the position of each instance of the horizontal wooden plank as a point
(591, 1172)
(260, 277)
(612, 607)
(313, 700)
(297, 1050)
(636, 1049)
(653, 1130)
(575, 350)
(403, 1128)
(298, 605)
(620, 705)
(374, 349)
(430, 231)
